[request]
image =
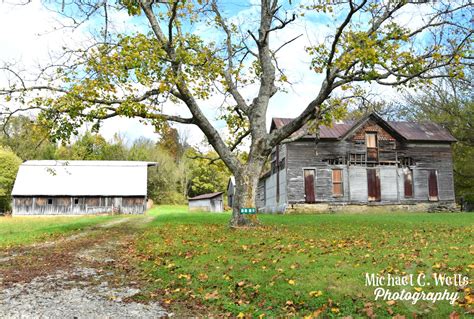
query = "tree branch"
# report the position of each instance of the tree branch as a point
(230, 66)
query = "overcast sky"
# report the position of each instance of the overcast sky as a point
(28, 35)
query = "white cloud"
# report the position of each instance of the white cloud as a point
(26, 32)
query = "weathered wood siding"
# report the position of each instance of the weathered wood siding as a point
(271, 202)
(394, 157)
(389, 186)
(207, 205)
(431, 156)
(64, 205)
(267, 199)
(260, 200)
(358, 184)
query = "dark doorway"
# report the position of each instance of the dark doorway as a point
(373, 184)
(408, 181)
(433, 185)
(309, 185)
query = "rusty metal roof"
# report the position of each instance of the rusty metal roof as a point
(206, 196)
(426, 131)
(411, 131)
(334, 132)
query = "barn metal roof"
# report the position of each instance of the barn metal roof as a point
(206, 196)
(411, 131)
(82, 178)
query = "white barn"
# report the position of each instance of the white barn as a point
(212, 202)
(80, 187)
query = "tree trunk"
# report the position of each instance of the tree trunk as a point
(246, 183)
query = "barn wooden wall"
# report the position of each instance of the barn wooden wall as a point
(63, 205)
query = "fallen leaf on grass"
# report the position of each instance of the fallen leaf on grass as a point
(187, 276)
(212, 295)
(454, 315)
(315, 293)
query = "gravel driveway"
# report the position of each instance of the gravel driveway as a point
(79, 287)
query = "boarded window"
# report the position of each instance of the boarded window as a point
(337, 189)
(408, 182)
(433, 185)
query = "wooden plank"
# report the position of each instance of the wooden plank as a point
(373, 184)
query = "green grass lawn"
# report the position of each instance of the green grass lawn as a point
(302, 265)
(24, 230)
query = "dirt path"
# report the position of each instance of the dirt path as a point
(80, 276)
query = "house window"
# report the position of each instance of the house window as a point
(371, 140)
(76, 201)
(408, 182)
(337, 189)
(282, 164)
(372, 151)
(273, 163)
(50, 201)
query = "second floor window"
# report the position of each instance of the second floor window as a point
(371, 142)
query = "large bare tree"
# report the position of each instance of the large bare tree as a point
(134, 73)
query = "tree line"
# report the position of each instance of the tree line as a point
(182, 170)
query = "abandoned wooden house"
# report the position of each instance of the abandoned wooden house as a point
(80, 187)
(212, 202)
(369, 162)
